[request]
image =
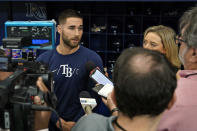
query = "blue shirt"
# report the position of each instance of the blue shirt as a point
(70, 78)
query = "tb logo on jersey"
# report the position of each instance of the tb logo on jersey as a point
(67, 71)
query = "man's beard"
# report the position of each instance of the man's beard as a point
(68, 43)
(182, 54)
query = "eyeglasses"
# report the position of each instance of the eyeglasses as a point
(179, 40)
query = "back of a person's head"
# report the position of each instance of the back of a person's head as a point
(144, 82)
(167, 35)
(67, 14)
(188, 23)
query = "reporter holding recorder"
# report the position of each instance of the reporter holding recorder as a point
(144, 84)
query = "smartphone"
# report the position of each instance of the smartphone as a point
(103, 90)
(99, 77)
(105, 84)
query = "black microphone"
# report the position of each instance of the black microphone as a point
(90, 66)
(87, 102)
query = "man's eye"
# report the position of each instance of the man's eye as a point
(71, 27)
(80, 28)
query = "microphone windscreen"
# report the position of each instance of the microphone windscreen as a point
(90, 66)
(84, 94)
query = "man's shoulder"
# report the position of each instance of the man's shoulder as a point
(92, 121)
(92, 56)
(93, 117)
(188, 79)
(97, 119)
(88, 51)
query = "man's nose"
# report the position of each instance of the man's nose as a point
(77, 32)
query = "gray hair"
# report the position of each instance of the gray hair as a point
(188, 23)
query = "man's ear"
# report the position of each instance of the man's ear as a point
(113, 97)
(172, 101)
(193, 57)
(59, 29)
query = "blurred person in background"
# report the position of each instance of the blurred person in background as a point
(162, 38)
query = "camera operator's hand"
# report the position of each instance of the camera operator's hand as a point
(41, 85)
(42, 88)
(37, 100)
(66, 125)
(41, 117)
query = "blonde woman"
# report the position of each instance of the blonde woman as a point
(162, 38)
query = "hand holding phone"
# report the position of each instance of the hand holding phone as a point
(99, 77)
(106, 90)
(105, 84)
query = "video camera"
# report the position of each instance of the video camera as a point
(24, 77)
(20, 88)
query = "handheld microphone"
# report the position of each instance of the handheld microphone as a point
(90, 66)
(87, 102)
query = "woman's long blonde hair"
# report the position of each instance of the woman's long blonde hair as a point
(167, 36)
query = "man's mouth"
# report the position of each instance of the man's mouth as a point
(75, 40)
